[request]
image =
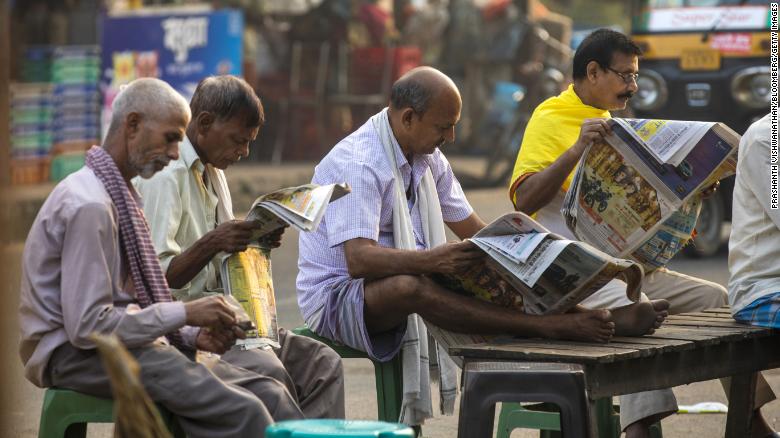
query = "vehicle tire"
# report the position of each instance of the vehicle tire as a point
(708, 228)
(498, 167)
(501, 160)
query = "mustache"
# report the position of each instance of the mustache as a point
(627, 95)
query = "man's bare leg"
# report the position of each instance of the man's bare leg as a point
(641, 428)
(388, 301)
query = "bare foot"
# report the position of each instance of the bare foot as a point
(588, 326)
(640, 318)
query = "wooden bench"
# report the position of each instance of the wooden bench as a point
(688, 348)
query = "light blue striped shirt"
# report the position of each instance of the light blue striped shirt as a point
(367, 212)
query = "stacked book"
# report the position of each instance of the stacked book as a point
(36, 65)
(31, 131)
(75, 72)
(76, 125)
(55, 112)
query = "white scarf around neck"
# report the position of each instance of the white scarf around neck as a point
(416, 405)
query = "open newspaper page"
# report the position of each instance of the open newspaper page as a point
(301, 207)
(534, 271)
(669, 141)
(247, 277)
(628, 203)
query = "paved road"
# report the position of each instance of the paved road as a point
(24, 400)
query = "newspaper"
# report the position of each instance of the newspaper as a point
(670, 141)
(247, 278)
(246, 275)
(301, 207)
(638, 194)
(555, 275)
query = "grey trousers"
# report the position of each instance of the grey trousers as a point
(311, 371)
(223, 401)
(685, 294)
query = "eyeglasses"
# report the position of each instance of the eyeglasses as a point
(626, 77)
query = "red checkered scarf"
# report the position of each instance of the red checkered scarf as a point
(148, 279)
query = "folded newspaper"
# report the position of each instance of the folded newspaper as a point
(534, 271)
(537, 271)
(246, 275)
(301, 206)
(638, 194)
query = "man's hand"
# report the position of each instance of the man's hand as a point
(211, 311)
(454, 258)
(232, 236)
(218, 340)
(711, 190)
(272, 239)
(592, 130)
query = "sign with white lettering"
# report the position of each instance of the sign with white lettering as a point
(180, 48)
(741, 43)
(702, 19)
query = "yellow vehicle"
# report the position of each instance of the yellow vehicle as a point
(703, 60)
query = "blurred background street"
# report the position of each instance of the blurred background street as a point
(24, 400)
(321, 68)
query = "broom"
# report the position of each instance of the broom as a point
(135, 415)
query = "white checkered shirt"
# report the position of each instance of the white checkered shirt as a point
(367, 212)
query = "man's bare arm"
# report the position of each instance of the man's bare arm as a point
(539, 189)
(185, 266)
(467, 227)
(366, 259)
(232, 236)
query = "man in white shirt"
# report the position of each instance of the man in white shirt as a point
(754, 246)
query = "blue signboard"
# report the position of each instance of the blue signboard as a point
(180, 48)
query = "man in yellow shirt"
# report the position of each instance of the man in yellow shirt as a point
(604, 71)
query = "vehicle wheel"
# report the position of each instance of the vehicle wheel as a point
(708, 228)
(501, 160)
(498, 168)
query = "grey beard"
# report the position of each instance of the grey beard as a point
(146, 171)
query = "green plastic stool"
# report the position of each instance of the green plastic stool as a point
(545, 418)
(329, 428)
(389, 381)
(65, 414)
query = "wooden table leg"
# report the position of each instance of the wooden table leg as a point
(741, 398)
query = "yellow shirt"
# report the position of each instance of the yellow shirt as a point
(553, 128)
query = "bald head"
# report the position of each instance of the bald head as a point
(424, 109)
(419, 87)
